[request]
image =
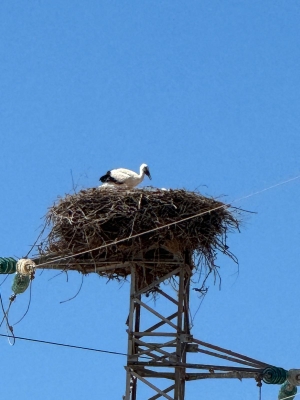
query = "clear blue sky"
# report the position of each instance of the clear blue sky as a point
(207, 94)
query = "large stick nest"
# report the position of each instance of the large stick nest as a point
(91, 221)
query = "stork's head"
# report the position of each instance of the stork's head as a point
(145, 169)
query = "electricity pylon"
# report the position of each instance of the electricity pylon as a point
(158, 354)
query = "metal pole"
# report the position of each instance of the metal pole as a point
(130, 349)
(180, 348)
(137, 315)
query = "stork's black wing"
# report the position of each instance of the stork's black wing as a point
(108, 178)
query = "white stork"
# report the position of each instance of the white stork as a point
(122, 177)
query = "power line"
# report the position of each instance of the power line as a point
(172, 223)
(65, 345)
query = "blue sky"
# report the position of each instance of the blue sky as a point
(207, 94)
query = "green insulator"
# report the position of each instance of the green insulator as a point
(20, 283)
(274, 375)
(283, 376)
(8, 265)
(287, 390)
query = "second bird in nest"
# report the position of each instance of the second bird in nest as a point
(122, 177)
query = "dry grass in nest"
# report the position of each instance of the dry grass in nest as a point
(92, 220)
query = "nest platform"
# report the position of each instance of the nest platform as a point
(107, 231)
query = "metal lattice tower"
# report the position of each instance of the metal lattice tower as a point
(158, 354)
(158, 347)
